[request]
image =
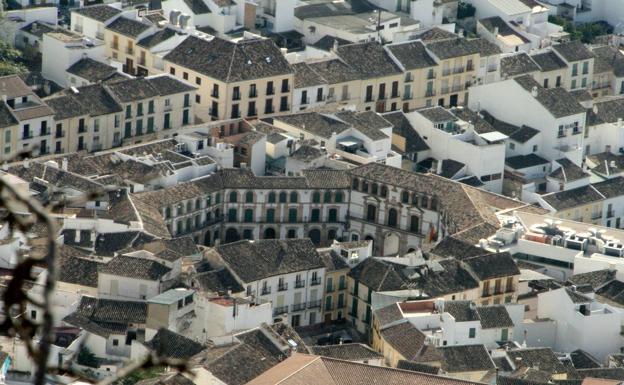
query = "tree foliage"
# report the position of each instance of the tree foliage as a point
(585, 32)
(87, 358)
(10, 60)
(465, 10)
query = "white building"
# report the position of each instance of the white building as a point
(461, 148)
(552, 111)
(361, 137)
(61, 49)
(287, 273)
(582, 322)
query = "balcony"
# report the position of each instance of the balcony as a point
(298, 306)
(342, 286)
(282, 287)
(457, 88)
(60, 134)
(266, 290)
(431, 75)
(300, 284)
(430, 93)
(595, 216)
(407, 96)
(610, 214)
(280, 310)
(236, 96)
(409, 77)
(329, 289)
(458, 70)
(470, 67)
(314, 304)
(329, 306)
(253, 94)
(315, 281)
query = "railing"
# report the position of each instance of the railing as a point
(431, 75)
(470, 67)
(236, 96)
(253, 94)
(395, 95)
(299, 306)
(446, 72)
(342, 286)
(329, 306)
(610, 214)
(329, 289)
(266, 290)
(280, 310)
(315, 281)
(407, 96)
(596, 215)
(457, 88)
(409, 77)
(458, 70)
(430, 93)
(314, 304)
(444, 90)
(282, 286)
(299, 284)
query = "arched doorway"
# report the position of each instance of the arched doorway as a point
(269, 233)
(331, 235)
(231, 235)
(315, 236)
(391, 245)
(207, 238)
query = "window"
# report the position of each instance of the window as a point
(150, 107)
(573, 85)
(371, 213)
(232, 215)
(472, 333)
(285, 87)
(185, 75)
(150, 124)
(414, 223)
(316, 197)
(172, 71)
(187, 100)
(139, 109)
(560, 132)
(574, 69)
(315, 215)
(249, 198)
(270, 90)
(374, 189)
(338, 197)
(233, 197)
(327, 197)
(128, 111)
(292, 215)
(369, 94)
(293, 197)
(197, 99)
(197, 80)
(512, 146)
(333, 215)
(185, 117)
(270, 215)
(115, 342)
(282, 197)
(139, 127)
(167, 121)
(384, 191)
(404, 197)
(585, 68)
(271, 197)
(248, 215)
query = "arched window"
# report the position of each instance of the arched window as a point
(271, 197)
(315, 236)
(374, 188)
(364, 186)
(434, 204)
(218, 198)
(231, 235)
(269, 233)
(208, 216)
(415, 200)
(424, 201)
(392, 217)
(338, 196)
(197, 204)
(414, 223)
(384, 191)
(292, 215)
(371, 213)
(217, 214)
(293, 197)
(327, 197)
(355, 184)
(282, 197)
(189, 206)
(316, 197)
(233, 197)
(404, 197)
(189, 224)
(232, 215)
(270, 215)
(167, 212)
(249, 198)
